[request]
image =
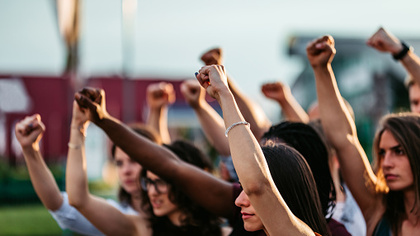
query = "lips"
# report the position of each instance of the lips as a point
(390, 177)
(246, 215)
(156, 203)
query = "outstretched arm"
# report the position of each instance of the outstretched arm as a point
(249, 160)
(100, 213)
(340, 128)
(252, 112)
(29, 132)
(210, 192)
(210, 120)
(385, 41)
(159, 97)
(281, 93)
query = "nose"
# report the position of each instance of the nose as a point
(242, 200)
(387, 161)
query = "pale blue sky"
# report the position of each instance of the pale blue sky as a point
(170, 35)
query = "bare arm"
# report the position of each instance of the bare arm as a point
(340, 128)
(211, 122)
(159, 97)
(105, 217)
(250, 162)
(210, 192)
(385, 41)
(281, 93)
(252, 112)
(29, 133)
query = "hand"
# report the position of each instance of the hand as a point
(80, 118)
(213, 57)
(93, 101)
(193, 93)
(321, 51)
(384, 41)
(29, 131)
(276, 91)
(160, 94)
(213, 79)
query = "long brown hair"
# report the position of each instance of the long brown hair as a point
(405, 127)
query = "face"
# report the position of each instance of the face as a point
(251, 221)
(159, 198)
(414, 95)
(128, 172)
(395, 163)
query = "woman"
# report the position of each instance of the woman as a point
(208, 191)
(29, 133)
(105, 217)
(257, 178)
(172, 212)
(389, 198)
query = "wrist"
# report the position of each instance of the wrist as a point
(79, 128)
(401, 51)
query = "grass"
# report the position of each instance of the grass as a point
(28, 220)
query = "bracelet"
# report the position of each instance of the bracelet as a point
(74, 146)
(236, 124)
(402, 53)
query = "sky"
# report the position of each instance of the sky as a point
(169, 36)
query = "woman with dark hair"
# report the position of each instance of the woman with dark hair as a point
(293, 179)
(109, 220)
(390, 198)
(215, 195)
(305, 139)
(165, 197)
(262, 203)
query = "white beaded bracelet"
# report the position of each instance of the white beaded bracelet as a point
(235, 124)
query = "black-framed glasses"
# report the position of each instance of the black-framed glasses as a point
(160, 185)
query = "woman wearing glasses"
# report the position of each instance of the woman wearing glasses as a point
(175, 214)
(172, 212)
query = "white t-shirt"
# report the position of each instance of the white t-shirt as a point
(67, 217)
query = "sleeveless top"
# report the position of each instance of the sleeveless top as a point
(383, 228)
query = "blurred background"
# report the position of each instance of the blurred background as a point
(49, 49)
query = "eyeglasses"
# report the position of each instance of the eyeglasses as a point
(160, 185)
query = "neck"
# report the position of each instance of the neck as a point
(412, 211)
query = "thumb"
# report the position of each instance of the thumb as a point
(84, 102)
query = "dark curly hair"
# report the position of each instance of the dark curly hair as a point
(197, 220)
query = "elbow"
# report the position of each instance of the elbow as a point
(76, 202)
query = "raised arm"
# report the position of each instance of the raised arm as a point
(340, 128)
(210, 192)
(281, 93)
(98, 211)
(29, 132)
(211, 122)
(385, 41)
(252, 112)
(159, 97)
(249, 160)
